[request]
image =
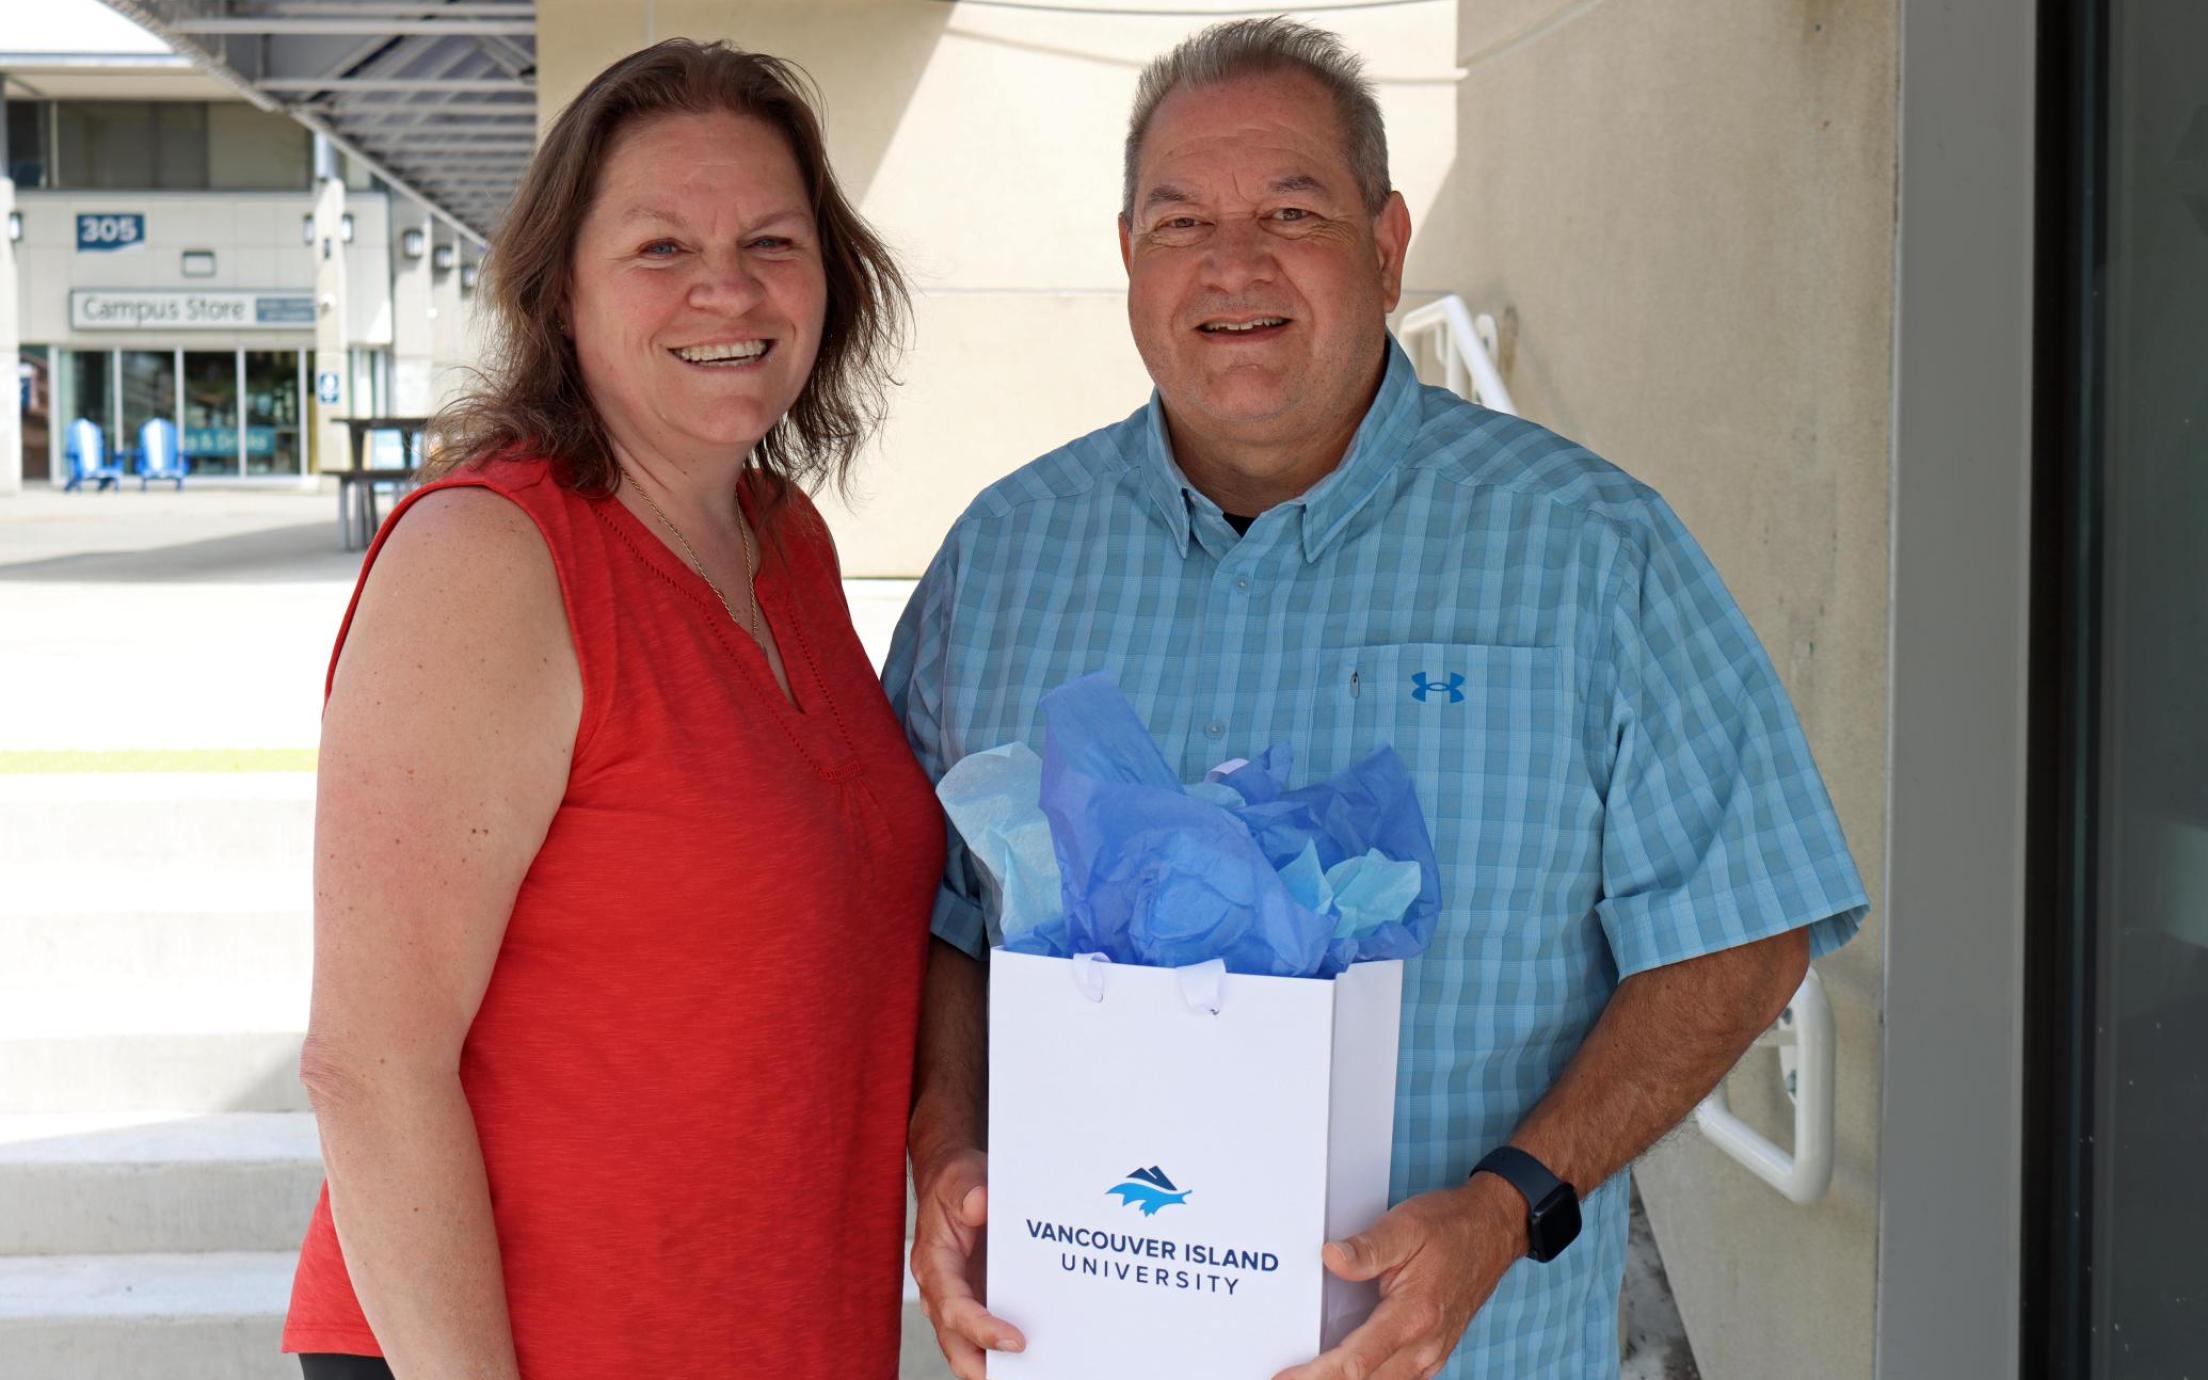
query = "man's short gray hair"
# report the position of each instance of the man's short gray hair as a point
(1254, 47)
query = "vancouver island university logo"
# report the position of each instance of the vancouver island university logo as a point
(1150, 1190)
(1152, 1262)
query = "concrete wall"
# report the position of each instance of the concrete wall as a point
(985, 144)
(1684, 211)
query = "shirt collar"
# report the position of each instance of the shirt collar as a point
(1329, 504)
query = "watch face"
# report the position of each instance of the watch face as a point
(1554, 1223)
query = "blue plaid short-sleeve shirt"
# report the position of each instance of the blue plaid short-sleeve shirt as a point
(1612, 774)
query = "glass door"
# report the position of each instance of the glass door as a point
(2149, 1106)
(211, 411)
(2121, 946)
(148, 390)
(272, 412)
(85, 391)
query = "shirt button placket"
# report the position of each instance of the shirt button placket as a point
(1231, 588)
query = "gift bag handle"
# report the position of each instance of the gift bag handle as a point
(1088, 974)
(1201, 984)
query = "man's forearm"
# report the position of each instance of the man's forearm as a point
(1666, 1038)
(950, 1077)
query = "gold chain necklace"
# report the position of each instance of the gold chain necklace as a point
(743, 538)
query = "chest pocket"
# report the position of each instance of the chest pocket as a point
(1489, 734)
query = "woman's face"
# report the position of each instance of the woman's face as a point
(696, 291)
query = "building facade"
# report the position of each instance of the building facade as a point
(176, 252)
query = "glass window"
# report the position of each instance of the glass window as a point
(180, 144)
(148, 379)
(251, 150)
(27, 142)
(86, 391)
(36, 396)
(211, 411)
(2149, 1267)
(132, 145)
(272, 412)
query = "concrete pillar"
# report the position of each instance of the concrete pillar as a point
(331, 378)
(11, 412)
(449, 356)
(413, 316)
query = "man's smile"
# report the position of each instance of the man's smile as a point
(1242, 329)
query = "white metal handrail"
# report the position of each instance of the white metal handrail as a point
(1804, 1039)
(1468, 347)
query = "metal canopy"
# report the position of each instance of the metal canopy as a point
(437, 97)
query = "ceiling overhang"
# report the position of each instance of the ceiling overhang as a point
(438, 97)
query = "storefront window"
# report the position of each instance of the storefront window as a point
(87, 392)
(272, 412)
(211, 410)
(148, 391)
(35, 395)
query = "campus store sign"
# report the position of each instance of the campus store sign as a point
(102, 309)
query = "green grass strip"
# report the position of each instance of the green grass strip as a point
(25, 763)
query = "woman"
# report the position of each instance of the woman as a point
(623, 869)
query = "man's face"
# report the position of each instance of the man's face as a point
(1258, 282)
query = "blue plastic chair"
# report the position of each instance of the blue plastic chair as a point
(88, 458)
(159, 457)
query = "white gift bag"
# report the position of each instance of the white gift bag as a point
(1168, 1151)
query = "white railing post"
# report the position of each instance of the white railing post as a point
(1804, 1175)
(1467, 348)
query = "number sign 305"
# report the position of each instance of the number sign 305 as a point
(97, 233)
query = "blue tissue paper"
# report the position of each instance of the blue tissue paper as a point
(1097, 847)
(1288, 883)
(994, 799)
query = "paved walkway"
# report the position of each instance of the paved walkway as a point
(190, 631)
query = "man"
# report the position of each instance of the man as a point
(1295, 542)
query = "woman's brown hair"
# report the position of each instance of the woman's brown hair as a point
(530, 398)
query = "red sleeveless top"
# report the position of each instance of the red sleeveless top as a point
(691, 1070)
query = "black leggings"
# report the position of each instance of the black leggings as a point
(324, 1366)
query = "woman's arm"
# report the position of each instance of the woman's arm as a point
(445, 752)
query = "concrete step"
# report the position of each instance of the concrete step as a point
(216, 1316)
(85, 1185)
(155, 1046)
(151, 820)
(70, 886)
(196, 1317)
(85, 950)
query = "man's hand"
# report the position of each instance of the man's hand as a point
(947, 1262)
(1438, 1257)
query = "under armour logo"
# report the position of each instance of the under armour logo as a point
(1452, 687)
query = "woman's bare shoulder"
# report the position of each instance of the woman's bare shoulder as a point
(464, 581)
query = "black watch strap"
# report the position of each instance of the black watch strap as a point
(1552, 1206)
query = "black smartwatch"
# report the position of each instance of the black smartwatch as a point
(1552, 1206)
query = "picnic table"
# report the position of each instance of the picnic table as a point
(357, 517)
